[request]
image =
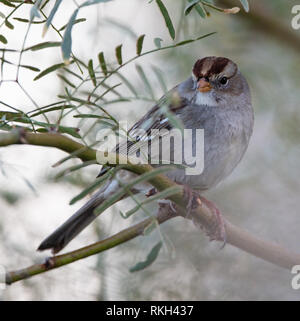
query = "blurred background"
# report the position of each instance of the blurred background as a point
(261, 195)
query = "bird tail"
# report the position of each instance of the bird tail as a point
(77, 222)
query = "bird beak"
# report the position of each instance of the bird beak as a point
(203, 85)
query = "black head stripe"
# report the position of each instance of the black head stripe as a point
(209, 66)
(218, 66)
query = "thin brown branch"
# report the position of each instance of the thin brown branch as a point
(235, 236)
(60, 260)
(247, 242)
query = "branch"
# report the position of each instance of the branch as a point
(60, 260)
(22, 136)
(201, 215)
(235, 236)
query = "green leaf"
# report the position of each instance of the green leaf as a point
(81, 62)
(66, 45)
(8, 24)
(7, 50)
(158, 196)
(43, 45)
(49, 70)
(69, 130)
(145, 81)
(34, 11)
(108, 89)
(66, 80)
(115, 101)
(139, 44)
(22, 66)
(7, 3)
(205, 36)
(127, 83)
(112, 89)
(52, 109)
(28, 21)
(51, 15)
(199, 8)
(102, 62)
(73, 73)
(167, 18)
(119, 54)
(184, 42)
(30, 68)
(190, 6)
(151, 257)
(74, 168)
(151, 227)
(245, 5)
(9, 115)
(159, 75)
(92, 72)
(75, 22)
(3, 39)
(157, 42)
(45, 126)
(90, 116)
(99, 181)
(42, 130)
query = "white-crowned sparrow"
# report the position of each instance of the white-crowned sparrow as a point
(215, 98)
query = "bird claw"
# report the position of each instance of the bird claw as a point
(217, 231)
(192, 198)
(164, 202)
(49, 263)
(170, 204)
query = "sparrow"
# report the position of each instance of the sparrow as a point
(215, 98)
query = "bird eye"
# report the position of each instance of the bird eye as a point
(224, 80)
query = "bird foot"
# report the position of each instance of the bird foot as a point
(164, 202)
(192, 198)
(217, 230)
(170, 204)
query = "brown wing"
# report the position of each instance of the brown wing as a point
(140, 135)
